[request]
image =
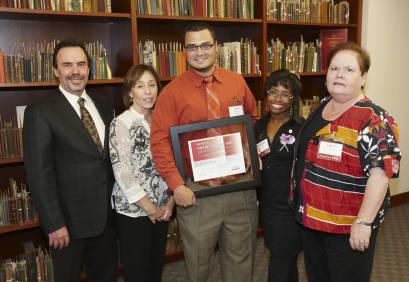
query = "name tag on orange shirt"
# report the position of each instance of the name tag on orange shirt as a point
(235, 111)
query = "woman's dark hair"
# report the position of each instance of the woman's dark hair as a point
(363, 57)
(288, 80)
(132, 76)
(69, 43)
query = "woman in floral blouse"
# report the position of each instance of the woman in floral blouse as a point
(140, 196)
(275, 135)
(345, 154)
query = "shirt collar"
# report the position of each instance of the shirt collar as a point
(134, 112)
(74, 98)
(198, 79)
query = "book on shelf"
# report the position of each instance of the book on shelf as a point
(16, 206)
(11, 141)
(297, 56)
(33, 62)
(242, 9)
(306, 106)
(319, 11)
(103, 6)
(329, 39)
(33, 265)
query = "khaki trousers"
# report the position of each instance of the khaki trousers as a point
(231, 220)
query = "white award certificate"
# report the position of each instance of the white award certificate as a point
(217, 156)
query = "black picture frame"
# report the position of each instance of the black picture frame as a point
(205, 191)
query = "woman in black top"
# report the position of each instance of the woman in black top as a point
(275, 137)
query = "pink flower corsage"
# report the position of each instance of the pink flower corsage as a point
(286, 140)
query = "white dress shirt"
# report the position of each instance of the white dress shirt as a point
(90, 106)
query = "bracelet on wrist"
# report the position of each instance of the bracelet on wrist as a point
(361, 222)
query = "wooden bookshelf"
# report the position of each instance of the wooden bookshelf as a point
(10, 161)
(19, 13)
(120, 32)
(18, 227)
(56, 83)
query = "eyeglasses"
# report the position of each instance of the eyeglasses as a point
(203, 47)
(275, 93)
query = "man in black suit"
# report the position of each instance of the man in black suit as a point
(69, 171)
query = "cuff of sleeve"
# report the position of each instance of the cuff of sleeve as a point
(134, 196)
(174, 181)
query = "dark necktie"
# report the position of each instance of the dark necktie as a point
(213, 105)
(90, 125)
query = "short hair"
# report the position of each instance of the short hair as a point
(363, 57)
(69, 43)
(286, 79)
(132, 76)
(199, 26)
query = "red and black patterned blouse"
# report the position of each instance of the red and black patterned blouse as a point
(328, 193)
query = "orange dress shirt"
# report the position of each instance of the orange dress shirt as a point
(184, 101)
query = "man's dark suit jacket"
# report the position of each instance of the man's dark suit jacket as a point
(71, 183)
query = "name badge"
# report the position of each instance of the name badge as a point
(263, 148)
(330, 151)
(236, 111)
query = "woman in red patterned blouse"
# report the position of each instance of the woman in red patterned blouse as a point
(346, 152)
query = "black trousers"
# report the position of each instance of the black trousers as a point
(282, 268)
(98, 253)
(142, 248)
(329, 257)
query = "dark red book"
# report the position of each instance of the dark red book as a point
(329, 39)
(3, 3)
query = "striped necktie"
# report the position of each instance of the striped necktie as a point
(213, 105)
(90, 125)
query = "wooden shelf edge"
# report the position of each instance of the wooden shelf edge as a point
(56, 83)
(11, 161)
(318, 24)
(204, 19)
(19, 227)
(63, 13)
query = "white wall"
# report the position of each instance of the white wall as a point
(385, 34)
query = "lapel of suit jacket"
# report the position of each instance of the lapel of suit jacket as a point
(74, 120)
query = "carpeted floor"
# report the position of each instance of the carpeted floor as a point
(391, 257)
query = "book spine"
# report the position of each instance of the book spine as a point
(2, 68)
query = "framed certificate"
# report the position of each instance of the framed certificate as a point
(216, 156)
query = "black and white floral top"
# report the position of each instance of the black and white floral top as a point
(134, 169)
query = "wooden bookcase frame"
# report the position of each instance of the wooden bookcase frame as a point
(120, 32)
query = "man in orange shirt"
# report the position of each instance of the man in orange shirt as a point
(229, 219)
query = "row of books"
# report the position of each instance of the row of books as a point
(33, 62)
(169, 59)
(32, 266)
(303, 56)
(294, 56)
(321, 11)
(242, 9)
(103, 6)
(240, 57)
(306, 106)
(16, 206)
(11, 139)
